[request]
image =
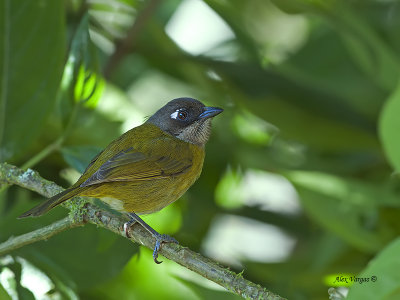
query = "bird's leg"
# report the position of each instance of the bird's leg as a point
(160, 238)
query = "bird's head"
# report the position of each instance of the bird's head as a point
(187, 119)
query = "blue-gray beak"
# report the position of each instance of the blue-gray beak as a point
(210, 112)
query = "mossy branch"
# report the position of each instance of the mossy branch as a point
(189, 259)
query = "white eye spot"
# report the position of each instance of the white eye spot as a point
(180, 114)
(174, 115)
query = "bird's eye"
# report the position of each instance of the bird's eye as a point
(180, 114)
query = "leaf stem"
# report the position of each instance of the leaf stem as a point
(56, 144)
(44, 153)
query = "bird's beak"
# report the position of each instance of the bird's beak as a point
(209, 112)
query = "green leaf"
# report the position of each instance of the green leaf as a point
(304, 6)
(253, 129)
(143, 279)
(369, 50)
(314, 129)
(79, 157)
(3, 294)
(389, 124)
(346, 207)
(324, 65)
(382, 276)
(83, 56)
(88, 87)
(290, 6)
(93, 128)
(207, 293)
(298, 111)
(228, 193)
(32, 43)
(23, 293)
(81, 82)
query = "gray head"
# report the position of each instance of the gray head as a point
(187, 119)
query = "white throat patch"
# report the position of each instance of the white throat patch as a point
(196, 133)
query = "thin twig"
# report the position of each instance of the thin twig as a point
(112, 221)
(40, 234)
(43, 154)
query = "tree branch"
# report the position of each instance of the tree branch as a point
(112, 221)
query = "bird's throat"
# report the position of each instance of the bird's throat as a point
(197, 133)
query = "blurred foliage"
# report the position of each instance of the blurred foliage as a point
(307, 144)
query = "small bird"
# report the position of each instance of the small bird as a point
(148, 167)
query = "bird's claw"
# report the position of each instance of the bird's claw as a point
(127, 226)
(160, 239)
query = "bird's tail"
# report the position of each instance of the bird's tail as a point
(50, 203)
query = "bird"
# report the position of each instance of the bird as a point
(148, 167)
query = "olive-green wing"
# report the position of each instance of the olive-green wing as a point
(132, 165)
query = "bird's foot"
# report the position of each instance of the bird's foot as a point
(161, 239)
